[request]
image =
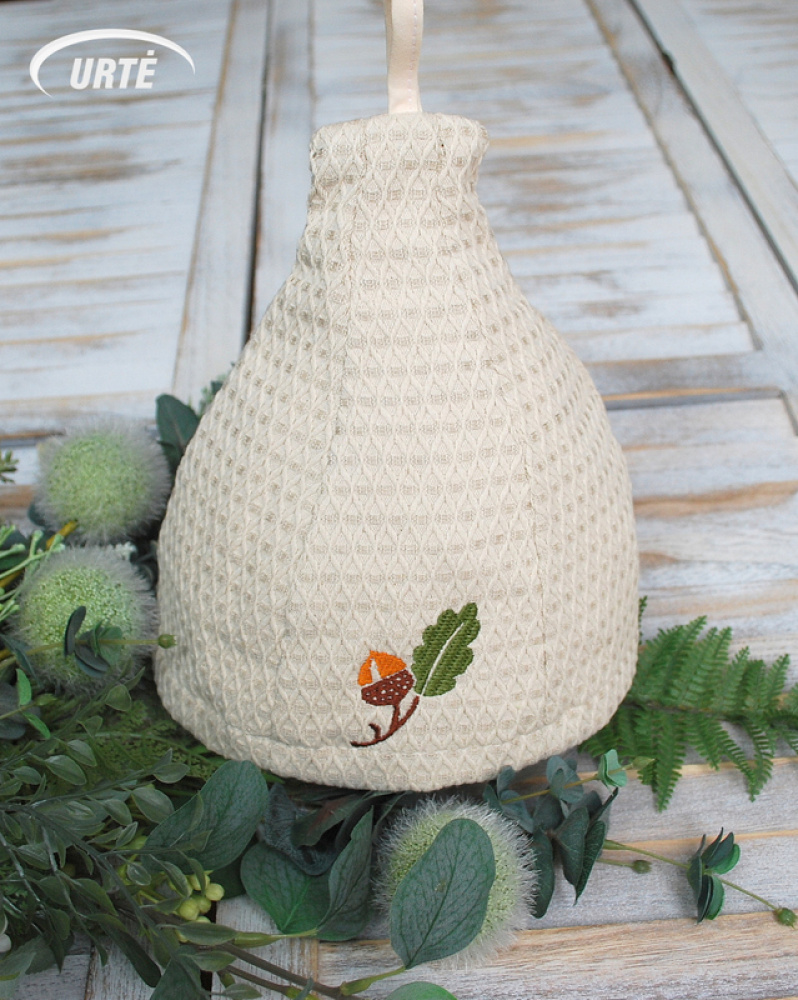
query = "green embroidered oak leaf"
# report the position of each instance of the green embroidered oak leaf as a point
(445, 651)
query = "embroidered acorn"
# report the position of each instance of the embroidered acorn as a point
(395, 681)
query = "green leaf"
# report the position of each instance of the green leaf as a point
(36, 723)
(170, 774)
(296, 902)
(710, 898)
(232, 803)
(20, 651)
(610, 772)
(543, 863)
(177, 424)
(212, 961)
(420, 991)
(95, 893)
(72, 629)
(83, 752)
(559, 774)
(118, 698)
(242, 991)
(689, 692)
(89, 661)
(180, 981)
(66, 769)
(198, 932)
(439, 906)
(569, 838)
(721, 855)
(24, 693)
(348, 886)
(154, 804)
(136, 955)
(445, 651)
(594, 844)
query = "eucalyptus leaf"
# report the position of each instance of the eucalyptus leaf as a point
(227, 809)
(594, 844)
(439, 906)
(420, 991)
(72, 629)
(295, 834)
(569, 838)
(348, 886)
(543, 864)
(295, 901)
(177, 424)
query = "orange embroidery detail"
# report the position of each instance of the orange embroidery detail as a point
(443, 655)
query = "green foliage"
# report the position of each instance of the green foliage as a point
(177, 422)
(704, 870)
(106, 474)
(690, 692)
(567, 826)
(8, 466)
(445, 651)
(333, 905)
(439, 906)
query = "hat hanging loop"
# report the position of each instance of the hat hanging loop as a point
(404, 24)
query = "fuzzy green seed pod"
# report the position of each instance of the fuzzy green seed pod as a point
(512, 893)
(107, 474)
(112, 592)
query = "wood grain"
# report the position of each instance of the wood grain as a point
(749, 156)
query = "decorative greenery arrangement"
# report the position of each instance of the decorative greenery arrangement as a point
(687, 693)
(117, 825)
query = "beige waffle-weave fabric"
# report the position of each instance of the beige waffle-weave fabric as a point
(404, 434)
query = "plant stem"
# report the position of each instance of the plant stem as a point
(276, 970)
(354, 986)
(614, 845)
(572, 784)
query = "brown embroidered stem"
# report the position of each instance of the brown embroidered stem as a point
(397, 721)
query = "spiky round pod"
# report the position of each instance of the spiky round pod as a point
(110, 589)
(107, 474)
(412, 834)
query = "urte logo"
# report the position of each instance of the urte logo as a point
(107, 73)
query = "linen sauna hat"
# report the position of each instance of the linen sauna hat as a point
(400, 550)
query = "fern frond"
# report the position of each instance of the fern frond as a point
(690, 693)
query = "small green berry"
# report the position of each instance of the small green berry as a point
(640, 866)
(189, 909)
(166, 641)
(214, 892)
(204, 904)
(413, 833)
(786, 916)
(107, 474)
(195, 884)
(112, 592)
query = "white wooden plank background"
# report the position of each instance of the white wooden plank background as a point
(621, 221)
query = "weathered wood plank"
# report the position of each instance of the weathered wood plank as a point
(765, 294)
(98, 209)
(747, 153)
(666, 959)
(757, 46)
(216, 319)
(285, 175)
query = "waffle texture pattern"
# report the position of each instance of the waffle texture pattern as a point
(404, 434)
